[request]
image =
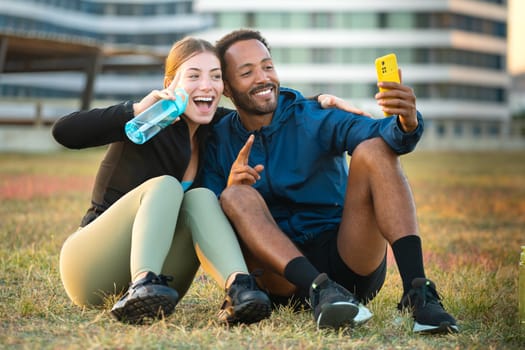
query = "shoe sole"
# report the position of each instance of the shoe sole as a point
(443, 328)
(138, 310)
(363, 316)
(337, 315)
(248, 312)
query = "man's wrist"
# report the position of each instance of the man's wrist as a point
(406, 129)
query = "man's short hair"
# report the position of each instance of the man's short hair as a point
(223, 44)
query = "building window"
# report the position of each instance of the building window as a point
(270, 20)
(318, 88)
(466, 92)
(476, 130)
(421, 90)
(231, 20)
(251, 20)
(441, 130)
(342, 20)
(403, 20)
(322, 55)
(363, 20)
(494, 130)
(358, 55)
(299, 55)
(458, 129)
(321, 20)
(382, 20)
(357, 90)
(281, 55)
(299, 20)
(183, 7)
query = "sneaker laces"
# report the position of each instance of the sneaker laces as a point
(424, 302)
(430, 295)
(247, 280)
(323, 282)
(152, 278)
(162, 279)
(242, 281)
(423, 293)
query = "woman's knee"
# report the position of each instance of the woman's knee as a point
(199, 198)
(165, 181)
(165, 184)
(200, 193)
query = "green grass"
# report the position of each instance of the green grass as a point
(471, 208)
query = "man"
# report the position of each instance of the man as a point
(318, 230)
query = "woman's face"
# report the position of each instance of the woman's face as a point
(201, 77)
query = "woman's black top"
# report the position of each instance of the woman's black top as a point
(126, 164)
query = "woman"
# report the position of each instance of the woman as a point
(148, 218)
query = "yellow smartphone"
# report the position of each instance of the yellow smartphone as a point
(387, 70)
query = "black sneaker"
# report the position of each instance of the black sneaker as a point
(245, 302)
(334, 306)
(427, 310)
(148, 298)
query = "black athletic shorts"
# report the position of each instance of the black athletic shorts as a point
(323, 254)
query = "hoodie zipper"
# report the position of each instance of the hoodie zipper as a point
(264, 144)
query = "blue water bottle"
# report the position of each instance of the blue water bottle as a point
(155, 118)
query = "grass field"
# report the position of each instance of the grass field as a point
(471, 208)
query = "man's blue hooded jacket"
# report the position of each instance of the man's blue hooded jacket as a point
(304, 153)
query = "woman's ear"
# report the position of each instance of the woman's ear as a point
(167, 82)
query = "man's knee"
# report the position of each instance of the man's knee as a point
(237, 195)
(373, 151)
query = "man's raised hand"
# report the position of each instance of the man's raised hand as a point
(241, 173)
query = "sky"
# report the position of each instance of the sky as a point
(516, 36)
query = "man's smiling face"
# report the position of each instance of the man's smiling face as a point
(250, 78)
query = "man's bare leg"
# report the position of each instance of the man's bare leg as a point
(379, 208)
(265, 244)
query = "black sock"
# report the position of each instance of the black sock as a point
(301, 272)
(409, 259)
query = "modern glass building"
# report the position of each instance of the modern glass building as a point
(148, 25)
(452, 52)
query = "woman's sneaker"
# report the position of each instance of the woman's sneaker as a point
(427, 310)
(149, 298)
(245, 302)
(334, 306)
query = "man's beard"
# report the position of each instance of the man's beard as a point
(245, 101)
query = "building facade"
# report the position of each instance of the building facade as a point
(452, 52)
(147, 24)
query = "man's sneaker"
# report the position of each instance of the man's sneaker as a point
(334, 306)
(245, 302)
(148, 298)
(427, 310)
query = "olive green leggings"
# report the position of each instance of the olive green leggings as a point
(155, 227)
